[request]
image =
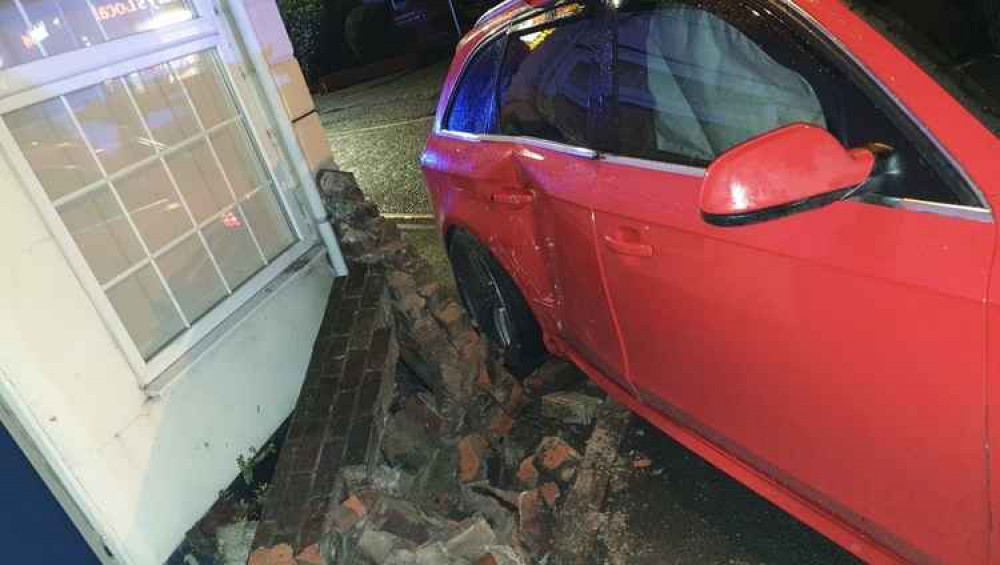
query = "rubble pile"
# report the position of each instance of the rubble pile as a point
(475, 465)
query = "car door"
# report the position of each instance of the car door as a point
(838, 352)
(550, 91)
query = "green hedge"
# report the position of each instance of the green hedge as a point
(304, 20)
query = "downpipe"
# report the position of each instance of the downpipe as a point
(254, 52)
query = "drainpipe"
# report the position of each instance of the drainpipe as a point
(272, 96)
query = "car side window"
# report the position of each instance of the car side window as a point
(692, 86)
(695, 78)
(547, 79)
(473, 106)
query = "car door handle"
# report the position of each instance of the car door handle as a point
(513, 198)
(628, 247)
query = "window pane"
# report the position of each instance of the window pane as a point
(202, 77)
(164, 107)
(58, 26)
(62, 25)
(111, 125)
(546, 82)
(102, 232)
(151, 200)
(200, 180)
(146, 310)
(268, 223)
(192, 277)
(231, 245)
(239, 160)
(16, 43)
(54, 148)
(474, 106)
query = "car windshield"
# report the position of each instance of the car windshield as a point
(957, 41)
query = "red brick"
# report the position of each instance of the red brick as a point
(310, 556)
(470, 457)
(354, 504)
(534, 522)
(554, 452)
(483, 381)
(516, 401)
(501, 423)
(527, 473)
(281, 554)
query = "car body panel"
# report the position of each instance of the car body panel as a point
(828, 289)
(816, 346)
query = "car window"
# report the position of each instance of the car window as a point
(695, 77)
(692, 86)
(473, 106)
(547, 78)
(956, 41)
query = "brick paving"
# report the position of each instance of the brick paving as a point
(336, 421)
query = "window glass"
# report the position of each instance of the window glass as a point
(957, 41)
(192, 277)
(546, 81)
(54, 147)
(111, 124)
(273, 233)
(171, 214)
(146, 310)
(473, 108)
(696, 78)
(692, 86)
(231, 243)
(32, 29)
(102, 232)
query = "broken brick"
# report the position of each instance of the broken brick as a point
(553, 453)
(343, 518)
(571, 407)
(550, 494)
(487, 559)
(281, 554)
(527, 473)
(401, 284)
(501, 423)
(452, 317)
(483, 381)
(310, 556)
(471, 449)
(535, 522)
(642, 463)
(354, 504)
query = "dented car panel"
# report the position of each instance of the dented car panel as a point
(841, 362)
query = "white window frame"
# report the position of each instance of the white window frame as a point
(60, 74)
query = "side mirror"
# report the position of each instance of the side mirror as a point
(789, 170)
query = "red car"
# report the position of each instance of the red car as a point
(765, 226)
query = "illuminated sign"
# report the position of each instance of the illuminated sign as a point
(111, 10)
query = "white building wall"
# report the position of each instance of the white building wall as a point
(144, 468)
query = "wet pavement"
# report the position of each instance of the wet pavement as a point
(678, 508)
(378, 129)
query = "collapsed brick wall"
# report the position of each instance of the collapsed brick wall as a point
(434, 474)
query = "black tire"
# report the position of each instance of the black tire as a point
(496, 306)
